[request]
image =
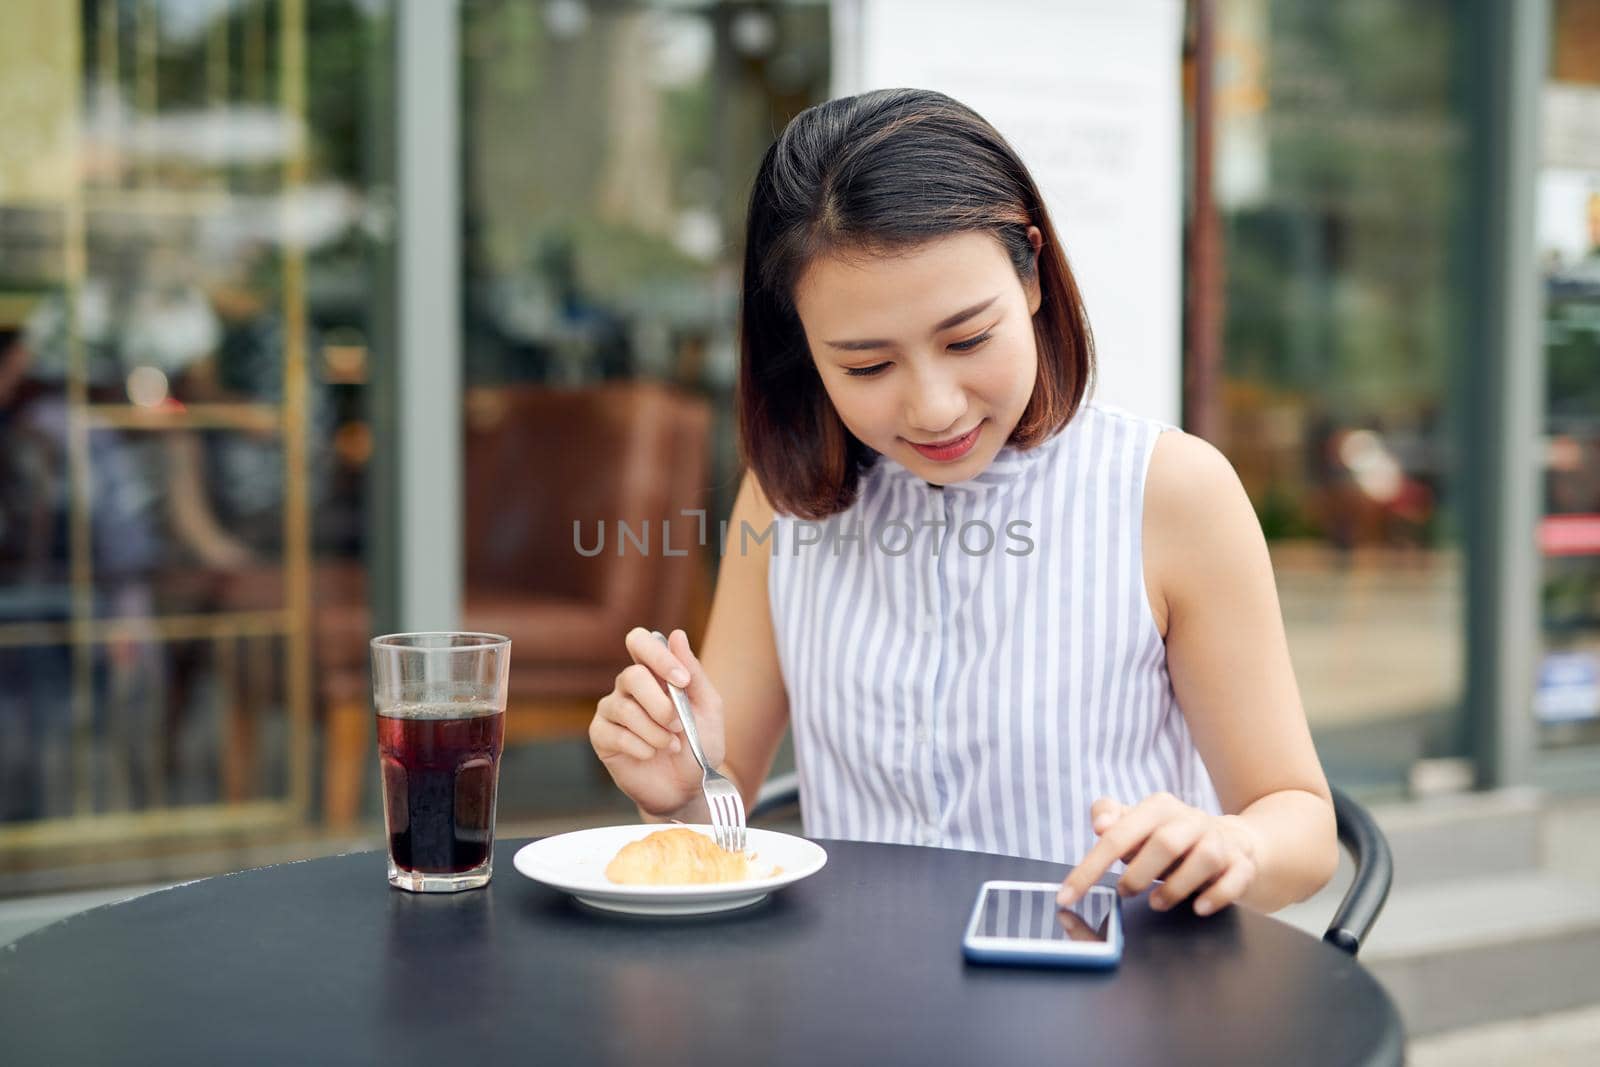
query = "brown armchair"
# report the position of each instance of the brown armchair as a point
(537, 460)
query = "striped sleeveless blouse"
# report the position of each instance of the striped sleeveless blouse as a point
(970, 667)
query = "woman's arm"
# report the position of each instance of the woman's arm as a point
(1229, 662)
(741, 651)
(740, 656)
(1212, 591)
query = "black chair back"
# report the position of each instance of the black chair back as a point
(1364, 900)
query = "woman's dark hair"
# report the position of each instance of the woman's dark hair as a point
(878, 173)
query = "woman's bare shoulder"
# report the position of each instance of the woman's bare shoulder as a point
(752, 500)
(1188, 472)
(1196, 515)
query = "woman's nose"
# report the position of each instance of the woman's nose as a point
(935, 406)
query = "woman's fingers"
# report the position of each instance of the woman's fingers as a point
(1123, 839)
(699, 690)
(610, 740)
(1166, 847)
(639, 684)
(1105, 812)
(1206, 860)
(1227, 889)
(630, 716)
(644, 648)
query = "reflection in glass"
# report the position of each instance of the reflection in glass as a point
(185, 296)
(1032, 914)
(1340, 171)
(1566, 700)
(607, 151)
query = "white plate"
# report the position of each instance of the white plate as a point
(576, 863)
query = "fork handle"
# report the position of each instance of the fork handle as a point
(686, 716)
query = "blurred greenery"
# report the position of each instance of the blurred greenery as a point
(1341, 305)
(1338, 282)
(605, 167)
(1572, 345)
(339, 47)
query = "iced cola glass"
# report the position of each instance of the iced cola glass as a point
(441, 702)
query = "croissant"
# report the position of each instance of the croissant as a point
(679, 856)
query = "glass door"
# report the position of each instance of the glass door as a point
(1566, 703)
(185, 300)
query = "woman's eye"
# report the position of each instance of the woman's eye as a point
(970, 343)
(865, 372)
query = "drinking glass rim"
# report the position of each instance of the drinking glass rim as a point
(399, 642)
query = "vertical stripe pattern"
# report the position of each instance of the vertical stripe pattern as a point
(972, 666)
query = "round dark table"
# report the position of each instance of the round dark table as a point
(321, 962)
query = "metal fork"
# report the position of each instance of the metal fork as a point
(722, 796)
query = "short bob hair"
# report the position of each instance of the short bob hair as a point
(882, 172)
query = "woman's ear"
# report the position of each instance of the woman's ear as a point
(1031, 286)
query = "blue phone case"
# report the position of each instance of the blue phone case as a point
(1023, 956)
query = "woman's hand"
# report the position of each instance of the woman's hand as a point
(1216, 856)
(636, 733)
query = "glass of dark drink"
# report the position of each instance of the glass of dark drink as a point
(441, 701)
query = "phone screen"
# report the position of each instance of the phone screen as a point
(1033, 914)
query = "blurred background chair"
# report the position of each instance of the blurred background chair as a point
(1358, 833)
(548, 472)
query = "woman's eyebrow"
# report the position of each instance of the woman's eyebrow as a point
(944, 324)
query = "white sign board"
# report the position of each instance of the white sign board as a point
(1571, 126)
(1088, 93)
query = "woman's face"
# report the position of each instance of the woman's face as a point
(930, 347)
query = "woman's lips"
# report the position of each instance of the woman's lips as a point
(950, 450)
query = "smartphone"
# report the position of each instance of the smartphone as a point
(1020, 923)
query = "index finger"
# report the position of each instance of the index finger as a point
(1133, 827)
(644, 648)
